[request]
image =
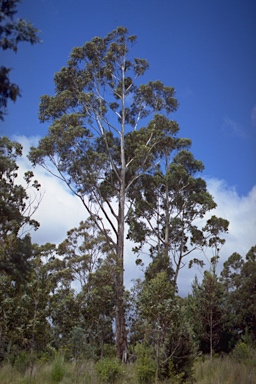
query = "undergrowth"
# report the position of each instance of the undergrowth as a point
(227, 370)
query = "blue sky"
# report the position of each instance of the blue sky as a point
(206, 50)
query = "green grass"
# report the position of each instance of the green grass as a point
(54, 372)
(220, 371)
(224, 371)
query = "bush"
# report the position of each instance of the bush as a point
(109, 351)
(58, 369)
(108, 370)
(175, 378)
(145, 373)
(243, 352)
(22, 361)
(145, 366)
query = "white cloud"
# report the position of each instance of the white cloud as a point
(240, 211)
(60, 211)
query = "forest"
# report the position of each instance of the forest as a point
(66, 315)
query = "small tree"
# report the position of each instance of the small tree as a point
(83, 250)
(169, 204)
(214, 227)
(163, 325)
(86, 259)
(239, 279)
(17, 206)
(208, 311)
(25, 307)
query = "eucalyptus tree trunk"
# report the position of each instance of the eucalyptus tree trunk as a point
(211, 334)
(167, 213)
(121, 336)
(180, 256)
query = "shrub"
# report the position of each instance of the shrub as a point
(145, 373)
(242, 352)
(175, 378)
(58, 369)
(109, 350)
(108, 370)
(145, 366)
(22, 361)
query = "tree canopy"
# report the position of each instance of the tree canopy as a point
(96, 141)
(17, 206)
(111, 140)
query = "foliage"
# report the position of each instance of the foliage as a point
(108, 370)
(58, 369)
(214, 227)
(85, 259)
(168, 205)
(12, 32)
(220, 370)
(22, 361)
(20, 312)
(207, 307)
(39, 304)
(145, 365)
(239, 279)
(96, 142)
(175, 378)
(244, 353)
(17, 206)
(25, 310)
(123, 173)
(83, 251)
(77, 342)
(163, 328)
(63, 301)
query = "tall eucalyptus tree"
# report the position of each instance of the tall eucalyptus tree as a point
(96, 143)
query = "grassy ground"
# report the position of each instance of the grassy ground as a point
(225, 371)
(68, 373)
(220, 371)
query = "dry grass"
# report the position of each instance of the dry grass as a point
(68, 373)
(224, 371)
(220, 371)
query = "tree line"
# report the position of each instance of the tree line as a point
(43, 311)
(112, 142)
